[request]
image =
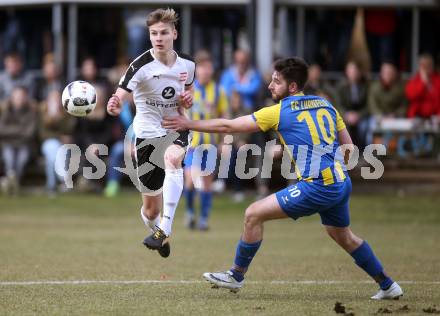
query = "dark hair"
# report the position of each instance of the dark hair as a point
(293, 69)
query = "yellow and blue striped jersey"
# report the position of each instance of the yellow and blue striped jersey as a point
(209, 102)
(308, 125)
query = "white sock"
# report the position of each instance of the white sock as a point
(172, 190)
(151, 224)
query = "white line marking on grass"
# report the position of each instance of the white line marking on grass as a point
(179, 282)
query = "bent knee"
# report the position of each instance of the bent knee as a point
(251, 214)
(150, 213)
(173, 157)
(344, 237)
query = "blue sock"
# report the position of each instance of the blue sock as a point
(238, 276)
(243, 256)
(366, 260)
(205, 204)
(189, 195)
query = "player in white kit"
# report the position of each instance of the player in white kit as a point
(161, 82)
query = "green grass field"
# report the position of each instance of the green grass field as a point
(84, 237)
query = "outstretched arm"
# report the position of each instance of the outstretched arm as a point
(242, 124)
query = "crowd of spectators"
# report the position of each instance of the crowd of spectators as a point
(33, 124)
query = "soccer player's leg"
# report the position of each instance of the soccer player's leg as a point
(172, 190)
(336, 222)
(150, 211)
(208, 167)
(189, 191)
(256, 214)
(151, 181)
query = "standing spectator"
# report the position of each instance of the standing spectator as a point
(423, 90)
(353, 102)
(124, 121)
(210, 101)
(55, 129)
(14, 76)
(51, 80)
(242, 84)
(242, 81)
(97, 127)
(18, 123)
(92, 130)
(380, 26)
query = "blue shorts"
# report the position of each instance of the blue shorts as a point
(306, 198)
(200, 159)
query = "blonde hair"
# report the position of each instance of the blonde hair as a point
(162, 15)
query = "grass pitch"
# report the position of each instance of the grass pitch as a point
(298, 270)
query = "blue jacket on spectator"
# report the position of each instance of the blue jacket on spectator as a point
(248, 88)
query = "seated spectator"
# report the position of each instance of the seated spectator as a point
(423, 94)
(14, 76)
(386, 99)
(55, 129)
(353, 102)
(316, 85)
(18, 123)
(51, 80)
(386, 96)
(423, 90)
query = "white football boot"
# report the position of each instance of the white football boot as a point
(393, 293)
(223, 279)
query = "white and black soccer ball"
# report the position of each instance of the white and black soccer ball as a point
(79, 98)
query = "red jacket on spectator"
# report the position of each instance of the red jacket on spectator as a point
(423, 101)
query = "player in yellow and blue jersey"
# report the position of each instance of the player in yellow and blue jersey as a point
(209, 102)
(312, 130)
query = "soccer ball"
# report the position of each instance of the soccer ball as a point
(79, 98)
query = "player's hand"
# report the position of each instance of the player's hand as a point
(186, 99)
(176, 123)
(114, 105)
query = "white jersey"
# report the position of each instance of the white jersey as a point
(156, 90)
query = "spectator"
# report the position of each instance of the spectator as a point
(55, 129)
(353, 102)
(91, 131)
(18, 123)
(14, 76)
(423, 90)
(380, 27)
(386, 96)
(119, 147)
(51, 80)
(210, 101)
(242, 84)
(316, 85)
(98, 127)
(89, 72)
